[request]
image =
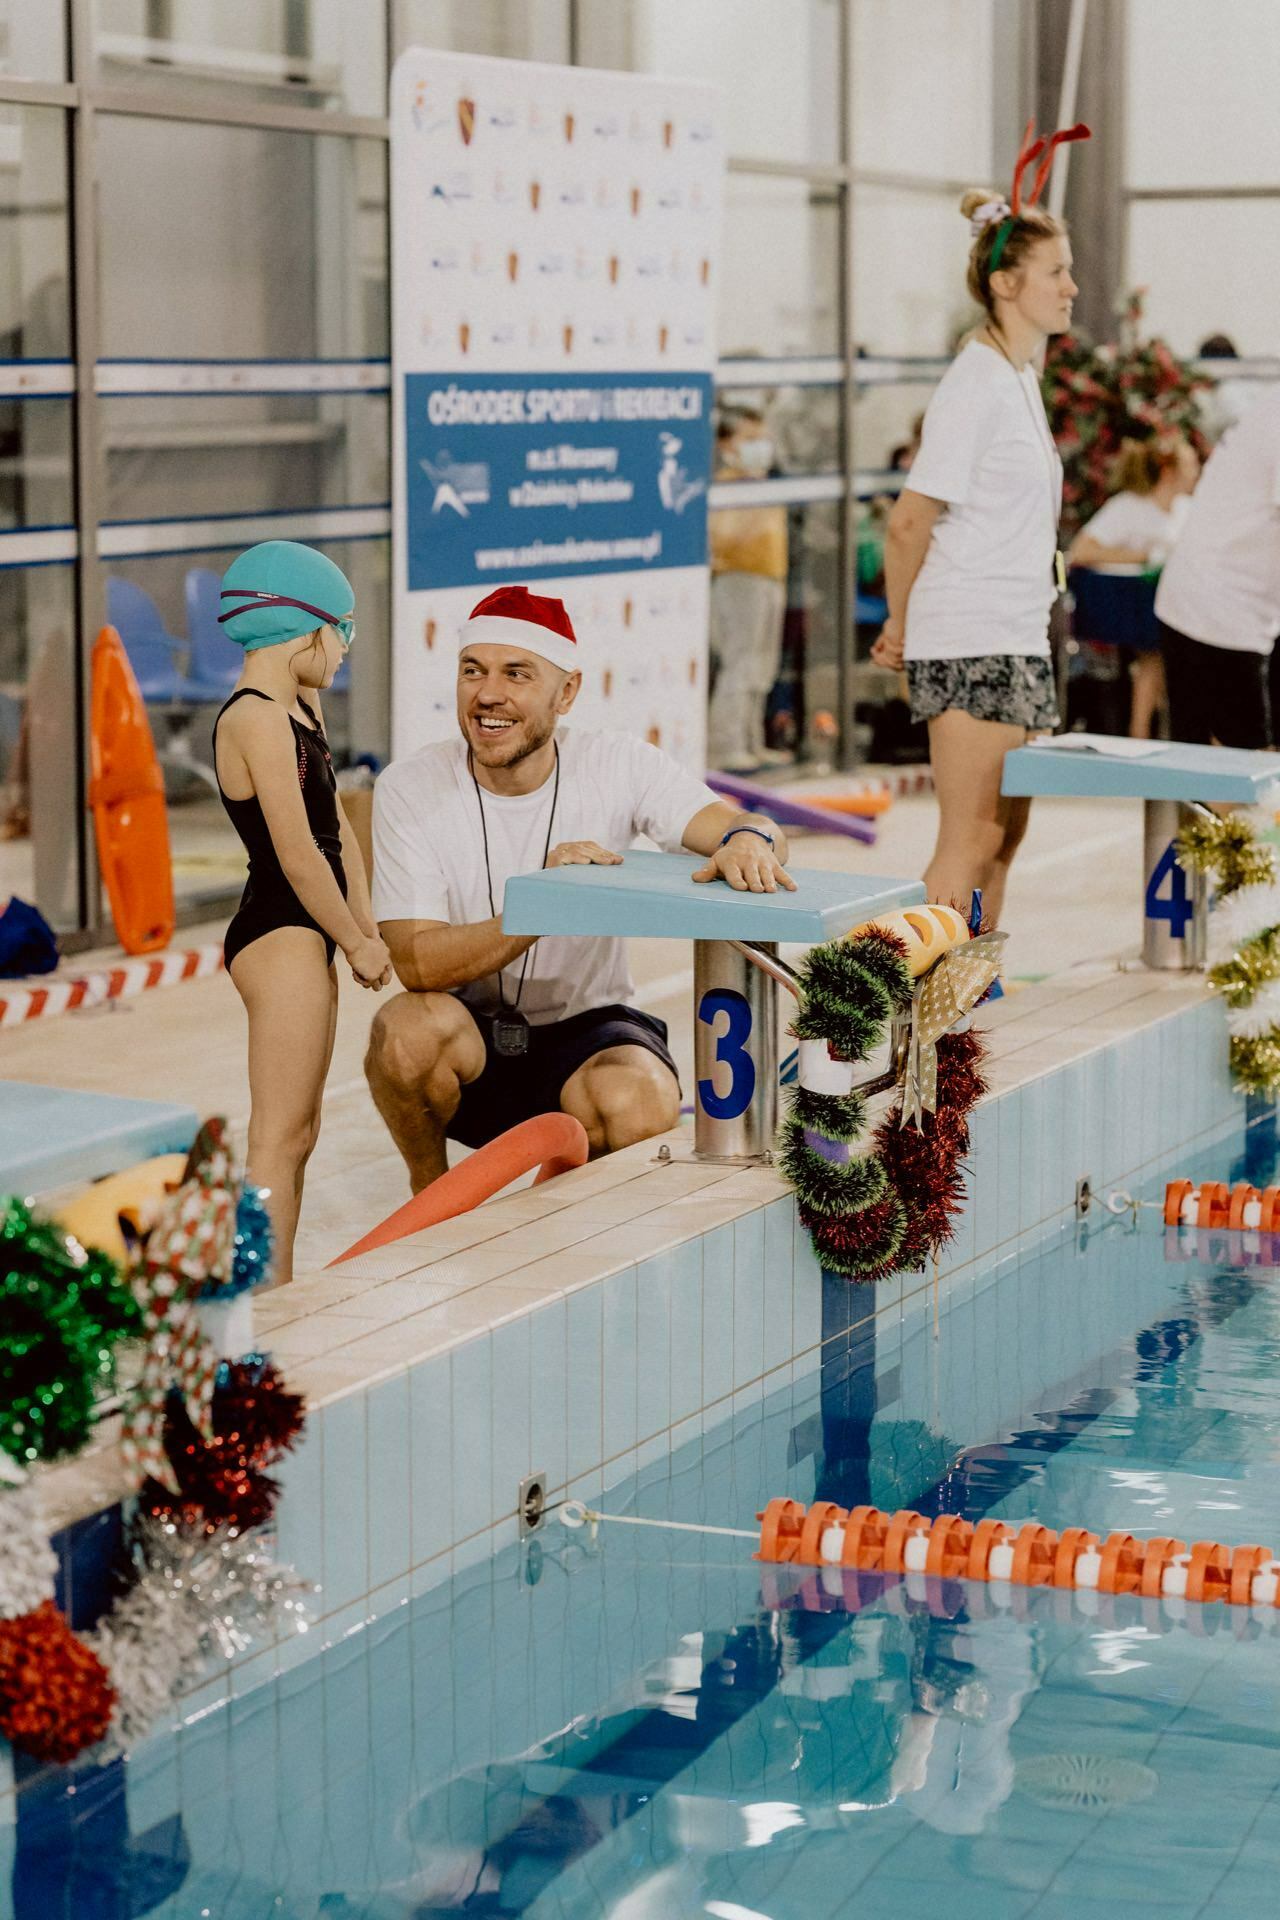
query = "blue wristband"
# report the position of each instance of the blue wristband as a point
(758, 831)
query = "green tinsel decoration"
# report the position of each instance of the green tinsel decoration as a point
(1255, 1063)
(839, 1116)
(62, 1309)
(1228, 847)
(825, 1186)
(849, 989)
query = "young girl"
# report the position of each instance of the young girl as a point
(1137, 527)
(969, 558)
(307, 894)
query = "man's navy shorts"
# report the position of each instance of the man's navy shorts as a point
(510, 1090)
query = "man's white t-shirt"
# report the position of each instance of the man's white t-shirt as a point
(986, 585)
(1138, 521)
(429, 860)
(1222, 583)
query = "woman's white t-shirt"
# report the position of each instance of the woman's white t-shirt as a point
(429, 857)
(986, 586)
(1222, 583)
(1138, 521)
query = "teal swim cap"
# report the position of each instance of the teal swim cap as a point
(281, 590)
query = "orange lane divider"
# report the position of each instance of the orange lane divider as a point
(553, 1142)
(1214, 1204)
(952, 1548)
(126, 793)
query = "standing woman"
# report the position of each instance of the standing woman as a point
(971, 568)
(307, 894)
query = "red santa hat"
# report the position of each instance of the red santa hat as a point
(514, 617)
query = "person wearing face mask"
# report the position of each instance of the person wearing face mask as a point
(748, 599)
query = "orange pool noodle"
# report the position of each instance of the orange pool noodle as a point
(126, 793)
(554, 1142)
(867, 801)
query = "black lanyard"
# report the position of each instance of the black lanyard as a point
(488, 871)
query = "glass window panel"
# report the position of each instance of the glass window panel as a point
(517, 29)
(776, 62)
(887, 422)
(247, 244)
(39, 823)
(168, 456)
(208, 859)
(780, 268)
(922, 77)
(1200, 101)
(911, 253)
(315, 53)
(34, 308)
(1200, 263)
(35, 463)
(803, 422)
(33, 42)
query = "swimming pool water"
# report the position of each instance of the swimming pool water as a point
(650, 1725)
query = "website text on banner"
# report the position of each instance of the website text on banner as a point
(573, 473)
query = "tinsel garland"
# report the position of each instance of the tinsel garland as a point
(222, 1483)
(56, 1696)
(62, 1310)
(28, 1564)
(884, 1211)
(1244, 937)
(251, 1262)
(195, 1596)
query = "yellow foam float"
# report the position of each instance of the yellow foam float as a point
(926, 932)
(93, 1216)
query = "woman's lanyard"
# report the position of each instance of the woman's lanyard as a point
(1044, 439)
(510, 1027)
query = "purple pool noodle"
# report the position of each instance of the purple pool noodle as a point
(790, 813)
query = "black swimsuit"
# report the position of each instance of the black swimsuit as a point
(268, 900)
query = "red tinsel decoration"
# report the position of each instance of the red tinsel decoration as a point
(256, 1419)
(56, 1697)
(862, 1236)
(923, 1163)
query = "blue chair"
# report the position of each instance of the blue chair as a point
(216, 660)
(148, 643)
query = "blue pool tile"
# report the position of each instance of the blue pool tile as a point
(1115, 1160)
(549, 1383)
(619, 1362)
(748, 1297)
(779, 1273)
(1031, 1151)
(1056, 1176)
(431, 1459)
(388, 1495)
(806, 1298)
(983, 1150)
(299, 1516)
(717, 1315)
(653, 1345)
(510, 1418)
(471, 1396)
(686, 1330)
(346, 1536)
(584, 1381)
(1008, 1165)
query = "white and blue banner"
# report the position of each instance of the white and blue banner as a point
(554, 238)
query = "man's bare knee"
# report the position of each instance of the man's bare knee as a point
(416, 1035)
(622, 1102)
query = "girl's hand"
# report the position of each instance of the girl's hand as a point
(370, 962)
(888, 649)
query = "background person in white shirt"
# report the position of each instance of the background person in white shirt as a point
(1137, 527)
(969, 557)
(494, 1028)
(1218, 602)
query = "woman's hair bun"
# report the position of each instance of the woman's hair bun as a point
(976, 197)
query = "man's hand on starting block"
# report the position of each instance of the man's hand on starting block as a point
(582, 853)
(749, 865)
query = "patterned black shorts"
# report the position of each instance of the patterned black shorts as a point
(1014, 688)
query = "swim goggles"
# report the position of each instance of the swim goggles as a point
(346, 625)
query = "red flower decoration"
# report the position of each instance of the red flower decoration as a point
(56, 1697)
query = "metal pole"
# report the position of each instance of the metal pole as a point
(846, 586)
(1067, 102)
(735, 1053)
(1176, 906)
(86, 433)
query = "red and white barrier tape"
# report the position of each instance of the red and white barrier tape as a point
(65, 992)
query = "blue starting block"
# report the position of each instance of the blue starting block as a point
(736, 971)
(51, 1137)
(1172, 781)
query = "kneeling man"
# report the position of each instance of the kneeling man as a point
(494, 1029)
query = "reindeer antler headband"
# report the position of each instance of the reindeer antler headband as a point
(1042, 148)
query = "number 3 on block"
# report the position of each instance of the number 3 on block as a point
(731, 1051)
(1176, 906)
